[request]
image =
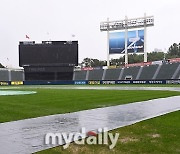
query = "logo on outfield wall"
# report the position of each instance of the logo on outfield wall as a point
(173, 82)
(17, 83)
(108, 82)
(135, 42)
(4, 83)
(80, 82)
(94, 82)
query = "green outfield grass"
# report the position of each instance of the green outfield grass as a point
(55, 101)
(103, 85)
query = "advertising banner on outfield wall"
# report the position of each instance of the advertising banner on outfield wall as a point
(94, 82)
(135, 42)
(172, 81)
(17, 83)
(3, 83)
(80, 82)
(140, 81)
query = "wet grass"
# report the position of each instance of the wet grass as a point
(56, 101)
(159, 135)
(136, 85)
(102, 85)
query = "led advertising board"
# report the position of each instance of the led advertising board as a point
(135, 42)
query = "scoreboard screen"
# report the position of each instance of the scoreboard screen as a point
(48, 53)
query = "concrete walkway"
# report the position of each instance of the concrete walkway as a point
(27, 136)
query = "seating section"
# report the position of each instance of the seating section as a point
(148, 72)
(4, 75)
(135, 73)
(178, 76)
(11, 75)
(17, 75)
(167, 71)
(80, 75)
(112, 74)
(131, 71)
(96, 74)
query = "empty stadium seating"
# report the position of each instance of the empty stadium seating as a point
(167, 70)
(11, 74)
(164, 71)
(156, 72)
(112, 74)
(131, 71)
(17, 75)
(4, 75)
(80, 75)
(178, 76)
(96, 74)
(148, 72)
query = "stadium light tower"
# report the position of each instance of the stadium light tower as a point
(142, 22)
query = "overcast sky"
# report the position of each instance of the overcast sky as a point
(58, 20)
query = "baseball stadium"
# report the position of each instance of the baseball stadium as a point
(52, 104)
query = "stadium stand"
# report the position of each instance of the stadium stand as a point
(4, 74)
(11, 74)
(176, 73)
(17, 75)
(139, 73)
(157, 72)
(112, 74)
(178, 76)
(95, 74)
(121, 74)
(80, 75)
(104, 74)
(167, 70)
(148, 72)
(131, 71)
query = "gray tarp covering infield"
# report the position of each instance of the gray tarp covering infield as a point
(27, 136)
(5, 93)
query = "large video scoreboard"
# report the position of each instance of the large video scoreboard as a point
(49, 60)
(48, 53)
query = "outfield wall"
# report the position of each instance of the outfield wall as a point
(89, 82)
(113, 82)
